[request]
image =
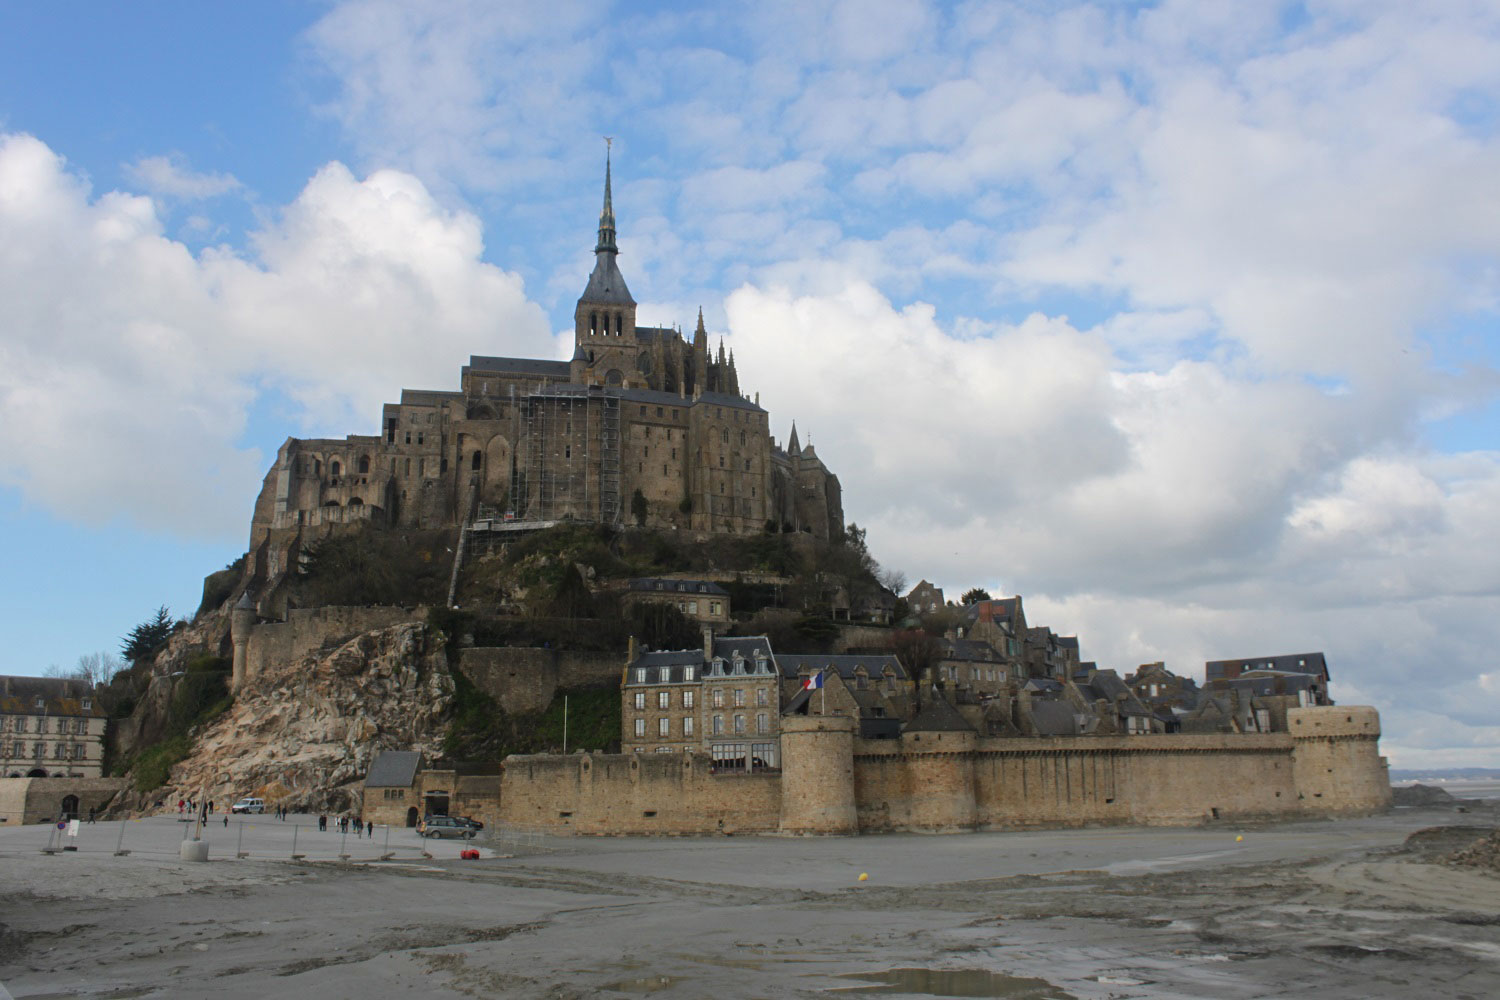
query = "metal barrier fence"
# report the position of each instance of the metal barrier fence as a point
(261, 837)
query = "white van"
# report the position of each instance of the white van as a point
(249, 806)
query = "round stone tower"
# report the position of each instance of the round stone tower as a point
(241, 620)
(1336, 760)
(817, 774)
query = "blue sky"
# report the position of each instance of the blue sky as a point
(1179, 319)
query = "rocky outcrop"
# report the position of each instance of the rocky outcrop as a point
(303, 733)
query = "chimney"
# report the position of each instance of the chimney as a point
(708, 643)
(630, 653)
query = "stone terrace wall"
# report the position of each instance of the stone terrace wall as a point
(525, 678)
(307, 630)
(636, 794)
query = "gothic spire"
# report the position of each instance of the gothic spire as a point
(792, 447)
(606, 242)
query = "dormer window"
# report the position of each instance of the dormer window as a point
(688, 673)
(87, 703)
(41, 702)
(640, 675)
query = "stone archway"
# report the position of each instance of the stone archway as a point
(37, 772)
(69, 808)
(412, 816)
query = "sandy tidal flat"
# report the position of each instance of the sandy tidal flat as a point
(1324, 909)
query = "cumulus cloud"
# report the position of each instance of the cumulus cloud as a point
(1183, 515)
(130, 362)
(171, 177)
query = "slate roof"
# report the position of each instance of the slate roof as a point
(672, 399)
(746, 645)
(1067, 642)
(937, 716)
(606, 284)
(1292, 663)
(60, 696)
(1053, 718)
(792, 664)
(659, 585)
(518, 366)
(968, 649)
(394, 769)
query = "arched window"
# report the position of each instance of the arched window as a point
(333, 469)
(593, 323)
(724, 434)
(619, 325)
(364, 464)
(356, 502)
(478, 458)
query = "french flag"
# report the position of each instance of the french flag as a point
(814, 682)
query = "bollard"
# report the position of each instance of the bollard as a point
(343, 839)
(239, 843)
(295, 855)
(386, 855)
(120, 851)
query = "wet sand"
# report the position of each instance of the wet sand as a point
(1327, 909)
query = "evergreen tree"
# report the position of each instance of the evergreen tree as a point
(147, 637)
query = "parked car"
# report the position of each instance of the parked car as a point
(249, 805)
(445, 827)
(470, 822)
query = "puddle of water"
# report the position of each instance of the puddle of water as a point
(644, 984)
(954, 983)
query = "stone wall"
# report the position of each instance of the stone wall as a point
(939, 781)
(645, 793)
(1336, 761)
(525, 678)
(273, 645)
(40, 800)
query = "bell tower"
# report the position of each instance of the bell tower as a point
(604, 321)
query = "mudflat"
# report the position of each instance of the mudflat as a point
(1355, 908)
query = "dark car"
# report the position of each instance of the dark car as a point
(445, 827)
(470, 822)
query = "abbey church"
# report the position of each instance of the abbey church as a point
(642, 425)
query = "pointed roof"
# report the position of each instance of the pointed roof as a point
(700, 332)
(606, 284)
(793, 447)
(937, 716)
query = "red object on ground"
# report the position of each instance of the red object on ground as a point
(469, 854)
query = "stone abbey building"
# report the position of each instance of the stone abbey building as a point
(641, 424)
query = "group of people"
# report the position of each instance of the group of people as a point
(344, 824)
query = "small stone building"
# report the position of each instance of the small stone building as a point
(701, 600)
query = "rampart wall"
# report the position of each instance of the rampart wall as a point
(939, 781)
(647, 793)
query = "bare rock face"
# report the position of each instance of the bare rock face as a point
(303, 734)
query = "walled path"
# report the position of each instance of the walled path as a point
(1336, 910)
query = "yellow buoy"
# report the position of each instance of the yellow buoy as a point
(864, 876)
(1238, 837)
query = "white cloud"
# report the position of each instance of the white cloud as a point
(169, 176)
(1185, 515)
(130, 363)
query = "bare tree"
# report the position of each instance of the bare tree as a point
(96, 669)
